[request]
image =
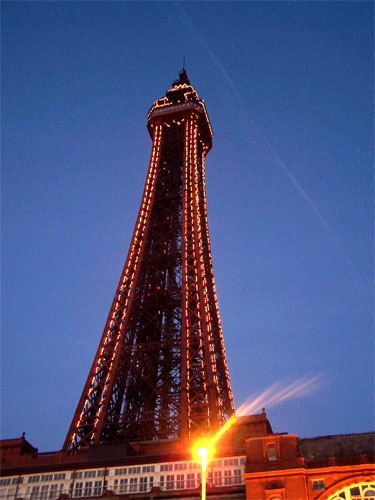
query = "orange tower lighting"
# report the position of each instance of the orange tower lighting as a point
(160, 371)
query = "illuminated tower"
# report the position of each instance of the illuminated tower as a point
(160, 371)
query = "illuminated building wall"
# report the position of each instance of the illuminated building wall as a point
(283, 467)
(265, 466)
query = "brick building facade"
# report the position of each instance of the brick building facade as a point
(252, 462)
(285, 467)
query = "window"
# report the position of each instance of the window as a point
(133, 484)
(98, 488)
(76, 475)
(180, 466)
(318, 484)
(170, 482)
(102, 472)
(78, 489)
(148, 468)
(33, 479)
(237, 477)
(166, 467)
(360, 491)
(44, 492)
(5, 482)
(271, 453)
(118, 472)
(124, 485)
(190, 483)
(161, 481)
(209, 478)
(88, 489)
(53, 491)
(34, 493)
(194, 465)
(46, 477)
(230, 461)
(134, 470)
(9, 494)
(17, 480)
(227, 477)
(59, 477)
(143, 484)
(180, 481)
(90, 473)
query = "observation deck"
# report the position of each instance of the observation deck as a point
(179, 100)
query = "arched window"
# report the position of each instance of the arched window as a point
(360, 491)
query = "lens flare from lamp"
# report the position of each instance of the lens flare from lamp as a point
(200, 446)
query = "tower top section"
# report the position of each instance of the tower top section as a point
(183, 78)
(180, 100)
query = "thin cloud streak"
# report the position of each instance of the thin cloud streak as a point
(276, 394)
(280, 162)
(270, 397)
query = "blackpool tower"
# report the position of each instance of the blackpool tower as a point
(160, 371)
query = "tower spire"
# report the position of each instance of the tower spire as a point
(160, 371)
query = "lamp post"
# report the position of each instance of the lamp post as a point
(202, 452)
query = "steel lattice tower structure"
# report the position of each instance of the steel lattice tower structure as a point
(160, 371)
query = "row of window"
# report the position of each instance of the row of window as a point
(145, 469)
(131, 485)
(87, 473)
(226, 462)
(91, 488)
(44, 492)
(76, 490)
(192, 480)
(47, 477)
(33, 479)
(128, 485)
(6, 481)
(361, 491)
(179, 466)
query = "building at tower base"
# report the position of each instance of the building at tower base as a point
(251, 462)
(283, 467)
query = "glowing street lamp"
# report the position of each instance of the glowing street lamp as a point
(202, 452)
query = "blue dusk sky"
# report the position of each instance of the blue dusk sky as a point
(289, 90)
